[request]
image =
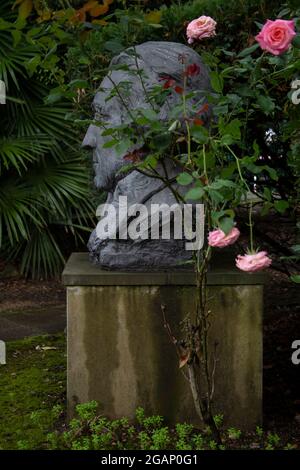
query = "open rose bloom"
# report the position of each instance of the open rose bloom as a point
(218, 239)
(253, 262)
(276, 36)
(203, 27)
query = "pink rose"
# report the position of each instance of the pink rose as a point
(203, 27)
(276, 36)
(217, 238)
(253, 262)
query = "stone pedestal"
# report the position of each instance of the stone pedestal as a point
(120, 355)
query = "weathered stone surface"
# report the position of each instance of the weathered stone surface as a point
(80, 272)
(119, 352)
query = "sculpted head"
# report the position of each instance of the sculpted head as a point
(121, 92)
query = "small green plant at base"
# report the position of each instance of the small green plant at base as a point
(213, 445)
(234, 434)
(183, 432)
(23, 445)
(273, 441)
(198, 442)
(88, 410)
(218, 419)
(290, 447)
(259, 431)
(161, 439)
(145, 440)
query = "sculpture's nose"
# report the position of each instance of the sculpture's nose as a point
(90, 142)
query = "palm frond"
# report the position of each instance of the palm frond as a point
(18, 152)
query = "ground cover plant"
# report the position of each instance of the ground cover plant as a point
(33, 413)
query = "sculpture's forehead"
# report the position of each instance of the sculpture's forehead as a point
(103, 93)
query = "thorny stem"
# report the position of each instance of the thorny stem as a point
(185, 115)
(127, 108)
(251, 225)
(251, 228)
(140, 75)
(199, 360)
(204, 163)
(238, 167)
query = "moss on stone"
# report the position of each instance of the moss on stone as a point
(31, 383)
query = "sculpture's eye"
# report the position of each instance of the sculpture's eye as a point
(100, 114)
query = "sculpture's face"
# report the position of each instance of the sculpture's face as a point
(112, 113)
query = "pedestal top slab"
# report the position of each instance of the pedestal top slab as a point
(79, 271)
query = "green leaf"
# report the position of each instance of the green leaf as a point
(248, 51)
(217, 81)
(184, 179)
(296, 249)
(284, 12)
(149, 114)
(17, 36)
(54, 97)
(151, 161)
(161, 141)
(108, 132)
(266, 104)
(296, 41)
(220, 109)
(110, 144)
(194, 194)
(272, 172)
(267, 194)
(114, 46)
(227, 140)
(219, 184)
(32, 64)
(215, 196)
(123, 147)
(281, 206)
(295, 278)
(245, 91)
(200, 134)
(233, 128)
(228, 171)
(226, 224)
(79, 83)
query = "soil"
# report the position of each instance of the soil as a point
(19, 294)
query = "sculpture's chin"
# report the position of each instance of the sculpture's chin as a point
(141, 255)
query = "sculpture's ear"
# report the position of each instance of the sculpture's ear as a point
(121, 59)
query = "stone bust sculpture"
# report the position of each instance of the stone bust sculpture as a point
(158, 61)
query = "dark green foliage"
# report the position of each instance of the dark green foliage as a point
(44, 181)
